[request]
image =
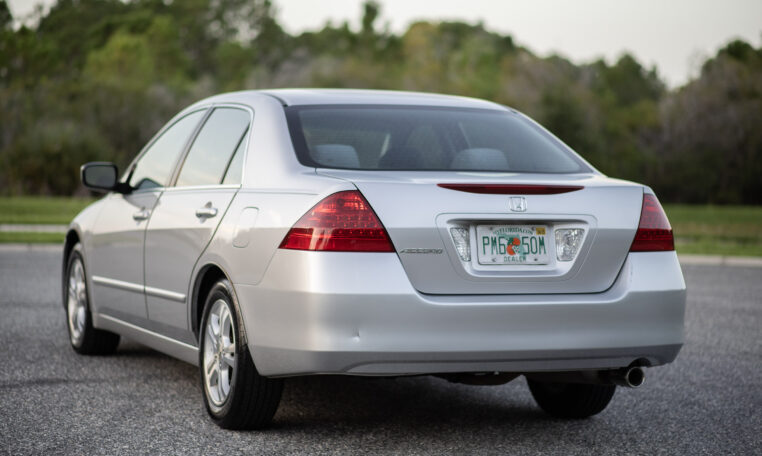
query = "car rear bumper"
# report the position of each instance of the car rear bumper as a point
(357, 313)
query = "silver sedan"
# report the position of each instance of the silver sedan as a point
(268, 234)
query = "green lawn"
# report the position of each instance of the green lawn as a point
(32, 238)
(40, 210)
(717, 230)
(707, 230)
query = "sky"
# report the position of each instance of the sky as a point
(676, 36)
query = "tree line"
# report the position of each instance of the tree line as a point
(94, 79)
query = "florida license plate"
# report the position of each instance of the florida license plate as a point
(512, 244)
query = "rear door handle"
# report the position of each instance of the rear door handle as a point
(141, 215)
(206, 212)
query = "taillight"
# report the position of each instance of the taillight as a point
(342, 222)
(654, 231)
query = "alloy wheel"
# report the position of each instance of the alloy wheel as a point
(219, 362)
(76, 304)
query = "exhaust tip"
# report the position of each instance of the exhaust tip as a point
(634, 376)
(631, 377)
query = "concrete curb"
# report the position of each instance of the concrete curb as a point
(16, 247)
(685, 260)
(716, 260)
(19, 228)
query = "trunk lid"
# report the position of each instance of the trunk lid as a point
(419, 216)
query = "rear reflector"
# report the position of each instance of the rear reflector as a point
(654, 231)
(342, 222)
(512, 189)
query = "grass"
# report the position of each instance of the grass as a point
(706, 230)
(31, 238)
(716, 230)
(40, 210)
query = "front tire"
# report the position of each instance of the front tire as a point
(235, 395)
(84, 338)
(571, 400)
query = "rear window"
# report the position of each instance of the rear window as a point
(415, 138)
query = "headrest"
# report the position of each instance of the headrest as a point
(338, 155)
(480, 158)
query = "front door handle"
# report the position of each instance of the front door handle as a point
(141, 215)
(206, 212)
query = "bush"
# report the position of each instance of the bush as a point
(46, 158)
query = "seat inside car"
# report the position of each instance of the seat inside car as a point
(336, 155)
(402, 157)
(480, 158)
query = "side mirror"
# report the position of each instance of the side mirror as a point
(102, 176)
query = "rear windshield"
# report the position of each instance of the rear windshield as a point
(414, 138)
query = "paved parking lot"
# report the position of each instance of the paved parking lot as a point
(142, 402)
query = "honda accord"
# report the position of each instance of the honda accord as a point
(268, 234)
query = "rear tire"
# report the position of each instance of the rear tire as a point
(571, 400)
(84, 338)
(235, 395)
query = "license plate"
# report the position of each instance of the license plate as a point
(512, 244)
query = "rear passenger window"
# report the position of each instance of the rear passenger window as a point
(214, 148)
(235, 169)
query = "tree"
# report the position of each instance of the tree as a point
(711, 146)
(97, 78)
(6, 18)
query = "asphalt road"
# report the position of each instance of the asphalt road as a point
(53, 401)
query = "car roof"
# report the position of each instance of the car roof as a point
(301, 97)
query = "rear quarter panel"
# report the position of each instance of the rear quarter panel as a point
(254, 226)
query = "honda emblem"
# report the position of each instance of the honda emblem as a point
(517, 204)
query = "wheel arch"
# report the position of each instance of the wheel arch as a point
(72, 238)
(207, 276)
